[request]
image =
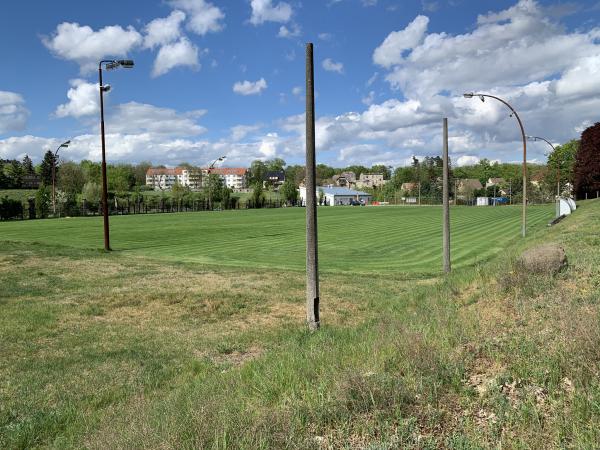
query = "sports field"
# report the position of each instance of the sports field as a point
(364, 240)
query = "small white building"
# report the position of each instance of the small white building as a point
(336, 196)
(483, 201)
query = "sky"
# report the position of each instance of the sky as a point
(214, 78)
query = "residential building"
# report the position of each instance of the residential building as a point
(194, 178)
(345, 179)
(275, 178)
(336, 196)
(409, 187)
(495, 182)
(370, 180)
(233, 177)
(162, 178)
(31, 181)
(468, 185)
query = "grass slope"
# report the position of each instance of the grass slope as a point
(121, 351)
(387, 239)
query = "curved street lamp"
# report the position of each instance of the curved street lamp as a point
(538, 138)
(63, 145)
(211, 167)
(109, 64)
(513, 112)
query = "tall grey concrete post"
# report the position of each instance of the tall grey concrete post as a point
(312, 260)
(446, 208)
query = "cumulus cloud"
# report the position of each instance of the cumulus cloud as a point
(164, 30)
(86, 47)
(266, 11)
(134, 132)
(467, 160)
(13, 113)
(291, 32)
(250, 87)
(180, 53)
(203, 16)
(332, 66)
(239, 132)
(511, 47)
(83, 100)
(139, 118)
(390, 52)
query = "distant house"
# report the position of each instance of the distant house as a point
(31, 181)
(233, 177)
(409, 187)
(495, 182)
(370, 180)
(336, 196)
(468, 185)
(274, 177)
(345, 179)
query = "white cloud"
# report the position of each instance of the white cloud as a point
(165, 30)
(13, 113)
(203, 16)
(297, 91)
(325, 36)
(332, 66)
(140, 118)
(291, 32)
(18, 147)
(467, 160)
(511, 47)
(390, 52)
(265, 11)
(239, 132)
(134, 132)
(87, 47)
(249, 87)
(369, 99)
(83, 100)
(180, 53)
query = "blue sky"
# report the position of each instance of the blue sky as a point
(218, 77)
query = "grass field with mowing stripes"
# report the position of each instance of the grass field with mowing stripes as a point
(364, 240)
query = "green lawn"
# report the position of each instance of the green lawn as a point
(385, 239)
(131, 350)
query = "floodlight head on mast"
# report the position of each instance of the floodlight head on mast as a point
(65, 144)
(126, 63)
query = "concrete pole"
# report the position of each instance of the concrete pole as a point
(446, 215)
(312, 260)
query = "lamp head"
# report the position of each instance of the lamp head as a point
(468, 95)
(105, 88)
(126, 63)
(482, 98)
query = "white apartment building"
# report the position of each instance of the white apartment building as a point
(233, 177)
(165, 179)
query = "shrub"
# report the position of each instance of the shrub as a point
(10, 208)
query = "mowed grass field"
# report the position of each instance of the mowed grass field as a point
(139, 349)
(363, 240)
